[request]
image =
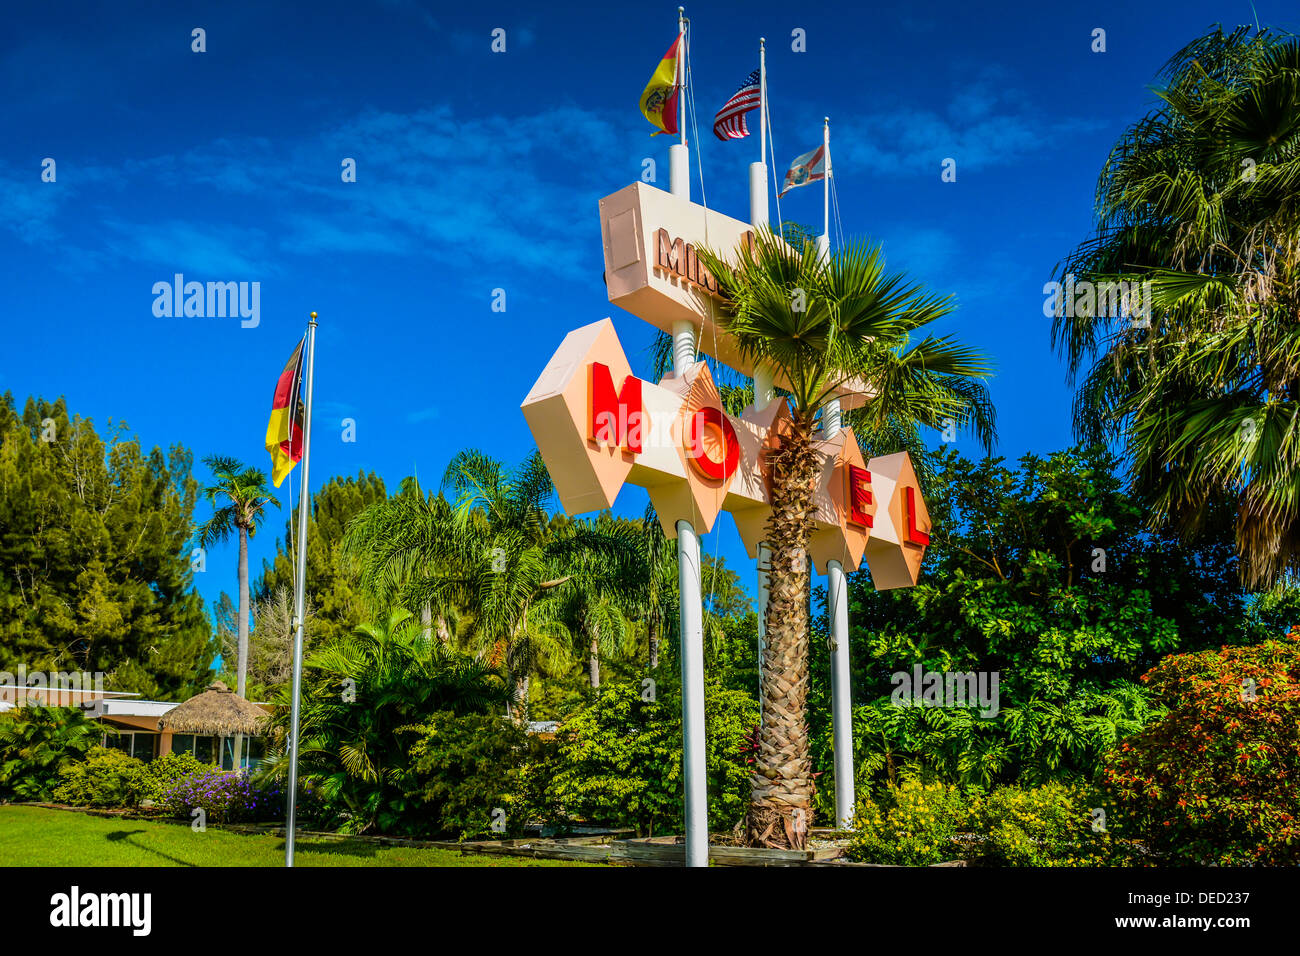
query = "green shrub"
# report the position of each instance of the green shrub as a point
(912, 824)
(619, 759)
(164, 774)
(1051, 825)
(106, 778)
(465, 768)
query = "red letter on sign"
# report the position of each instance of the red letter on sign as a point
(723, 439)
(859, 496)
(610, 418)
(914, 534)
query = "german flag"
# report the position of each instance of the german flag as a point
(284, 429)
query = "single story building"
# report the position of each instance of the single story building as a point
(205, 726)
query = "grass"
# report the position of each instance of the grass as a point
(36, 836)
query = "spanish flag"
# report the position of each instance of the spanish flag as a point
(659, 99)
(284, 430)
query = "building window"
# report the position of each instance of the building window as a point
(143, 746)
(254, 750)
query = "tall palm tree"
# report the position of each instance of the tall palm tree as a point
(1201, 199)
(820, 324)
(245, 495)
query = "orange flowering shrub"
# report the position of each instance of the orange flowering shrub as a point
(1217, 780)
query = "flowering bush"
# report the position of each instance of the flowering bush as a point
(1217, 780)
(1052, 825)
(912, 824)
(168, 770)
(224, 797)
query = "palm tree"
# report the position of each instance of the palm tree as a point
(1200, 200)
(402, 540)
(654, 587)
(246, 496)
(493, 560)
(598, 600)
(820, 324)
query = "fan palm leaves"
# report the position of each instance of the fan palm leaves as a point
(1200, 202)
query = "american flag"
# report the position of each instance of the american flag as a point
(730, 121)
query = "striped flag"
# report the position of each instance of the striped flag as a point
(806, 169)
(284, 429)
(730, 121)
(659, 98)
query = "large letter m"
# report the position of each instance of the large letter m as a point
(613, 418)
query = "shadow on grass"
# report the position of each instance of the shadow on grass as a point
(124, 836)
(323, 848)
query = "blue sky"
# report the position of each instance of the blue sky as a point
(479, 170)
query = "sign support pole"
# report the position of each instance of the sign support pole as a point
(837, 597)
(689, 582)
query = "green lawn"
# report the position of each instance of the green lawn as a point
(35, 836)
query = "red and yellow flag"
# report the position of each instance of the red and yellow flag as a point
(659, 99)
(284, 429)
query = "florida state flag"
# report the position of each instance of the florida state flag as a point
(284, 429)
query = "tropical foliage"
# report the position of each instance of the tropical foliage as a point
(363, 697)
(1199, 205)
(37, 742)
(1043, 575)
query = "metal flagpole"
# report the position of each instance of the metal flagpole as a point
(679, 157)
(299, 600)
(824, 240)
(758, 171)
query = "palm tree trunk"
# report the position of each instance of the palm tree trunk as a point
(780, 811)
(426, 619)
(241, 672)
(595, 666)
(520, 708)
(654, 641)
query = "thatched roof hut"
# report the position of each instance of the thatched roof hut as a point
(217, 712)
